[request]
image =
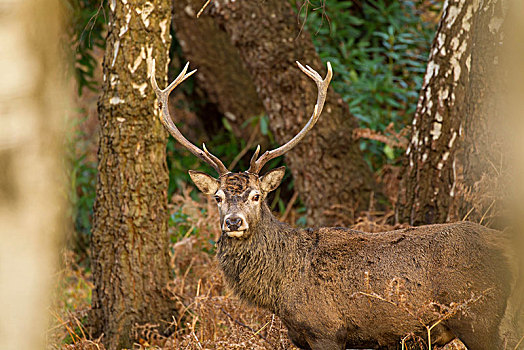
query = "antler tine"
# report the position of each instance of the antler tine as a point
(218, 162)
(252, 162)
(162, 96)
(323, 85)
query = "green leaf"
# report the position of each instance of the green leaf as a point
(227, 125)
(264, 125)
(389, 152)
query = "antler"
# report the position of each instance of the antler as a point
(162, 96)
(322, 84)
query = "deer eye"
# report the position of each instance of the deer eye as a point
(256, 197)
(218, 199)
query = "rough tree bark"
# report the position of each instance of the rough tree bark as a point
(32, 203)
(329, 171)
(451, 171)
(485, 128)
(220, 70)
(129, 239)
(429, 181)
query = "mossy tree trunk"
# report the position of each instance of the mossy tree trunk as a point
(129, 240)
(329, 171)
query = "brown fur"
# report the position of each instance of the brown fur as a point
(336, 287)
(236, 184)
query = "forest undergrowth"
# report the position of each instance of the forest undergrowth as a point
(208, 316)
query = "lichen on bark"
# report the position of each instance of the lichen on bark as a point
(455, 142)
(129, 240)
(429, 177)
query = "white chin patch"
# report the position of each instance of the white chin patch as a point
(236, 234)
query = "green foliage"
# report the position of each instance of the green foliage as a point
(81, 194)
(378, 49)
(85, 31)
(180, 221)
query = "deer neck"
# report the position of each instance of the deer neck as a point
(255, 267)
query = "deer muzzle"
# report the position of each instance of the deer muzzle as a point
(235, 225)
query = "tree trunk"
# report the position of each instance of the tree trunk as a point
(220, 70)
(484, 157)
(129, 240)
(449, 173)
(31, 168)
(329, 171)
(430, 175)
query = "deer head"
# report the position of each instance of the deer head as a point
(240, 196)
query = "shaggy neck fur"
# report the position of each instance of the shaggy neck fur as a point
(255, 275)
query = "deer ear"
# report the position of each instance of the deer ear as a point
(205, 183)
(272, 179)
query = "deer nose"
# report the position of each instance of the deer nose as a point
(233, 222)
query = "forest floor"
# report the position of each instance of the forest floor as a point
(209, 315)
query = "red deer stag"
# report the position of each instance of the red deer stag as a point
(335, 287)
